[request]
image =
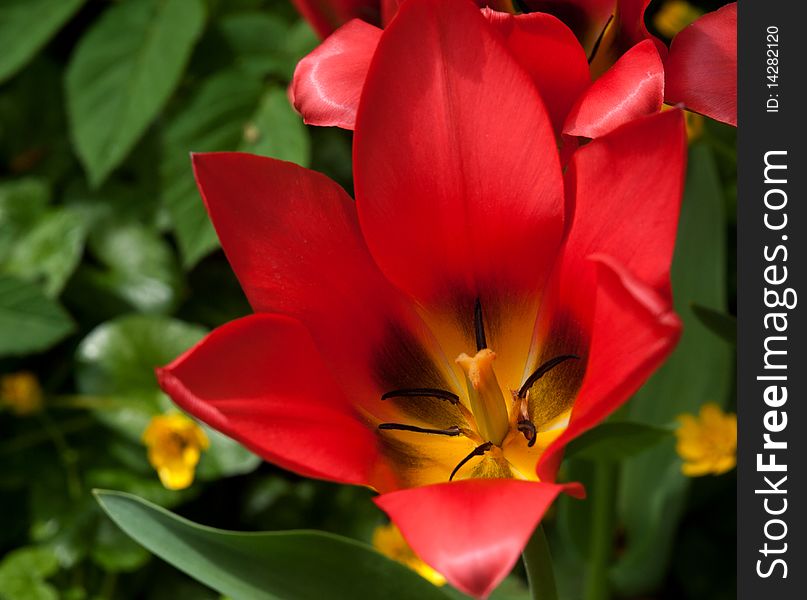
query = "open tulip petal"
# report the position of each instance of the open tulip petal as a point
(701, 69)
(261, 381)
(325, 16)
(586, 18)
(435, 155)
(634, 329)
(293, 240)
(549, 52)
(327, 83)
(471, 531)
(632, 88)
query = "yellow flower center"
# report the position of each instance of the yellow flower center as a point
(21, 393)
(485, 395)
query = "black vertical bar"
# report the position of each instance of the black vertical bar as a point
(772, 268)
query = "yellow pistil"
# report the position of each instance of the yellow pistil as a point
(175, 444)
(673, 16)
(387, 539)
(21, 393)
(485, 394)
(707, 443)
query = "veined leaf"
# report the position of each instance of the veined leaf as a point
(122, 73)
(305, 565)
(29, 320)
(26, 26)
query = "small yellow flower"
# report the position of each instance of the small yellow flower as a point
(388, 540)
(707, 443)
(175, 444)
(21, 393)
(673, 16)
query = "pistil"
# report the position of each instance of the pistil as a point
(487, 400)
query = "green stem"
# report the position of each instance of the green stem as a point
(603, 499)
(538, 563)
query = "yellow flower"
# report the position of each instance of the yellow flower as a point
(388, 540)
(21, 393)
(707, 443)
(175, 444)
(673, 16)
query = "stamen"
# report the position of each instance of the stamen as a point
(541, 371)
(479, 327)
(599, 40)
(478, 451)
(451, 431)
(423, 392)
(527, 427)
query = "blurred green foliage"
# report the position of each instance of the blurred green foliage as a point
(109, 267)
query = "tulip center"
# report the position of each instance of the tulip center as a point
(485, 395)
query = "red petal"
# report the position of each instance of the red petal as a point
(261, 381)
(325, 16)
(533, 38)
(626, 190)
(471, 531)
(586, 18)
(702, 66)
(632, 28)
(633, 331)
(293, 240)
(632, 88)
(327, 83)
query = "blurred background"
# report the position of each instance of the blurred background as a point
(109, 267)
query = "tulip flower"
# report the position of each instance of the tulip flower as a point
(442, 338)
(700, 72)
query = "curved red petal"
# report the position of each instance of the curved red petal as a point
(327, 83)
(548, 50)
(471, 531)
(457, 175)
(702, 66)
(634, 329)
(261, 381)
(625, 189)
(325, 16)
(631, 88)
(293, 240)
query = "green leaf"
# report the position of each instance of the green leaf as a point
(22, 203)
(23, 573)
(276, 130)
(231, 111)
(140, 266)
(652, 488)
(29, 320)
(298, 564)
(719, 323)
(122, 73)
(117, 361)
(26, 26)
(214, 120)
(616, 441)
(50, 251)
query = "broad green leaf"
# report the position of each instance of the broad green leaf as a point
(616, 441)
(22, 203)
(214, 120)
(276, 130)
(231, 111)
(50, 251)
(277, 565)
(719, 323)
(652, 488)
(117, 361)
(23, 573)
(122, 73)
(141, 268)
(29, 320)
(26, 26)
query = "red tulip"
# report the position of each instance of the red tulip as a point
(701, 71)
(443, 337)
